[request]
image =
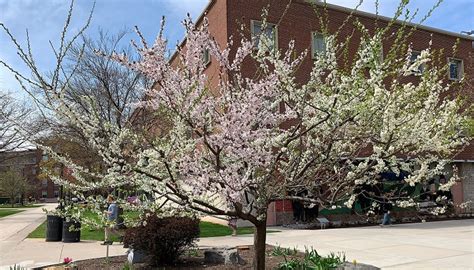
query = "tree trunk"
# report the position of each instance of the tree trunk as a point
(259, 242)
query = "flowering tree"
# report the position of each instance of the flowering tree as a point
(234, 147)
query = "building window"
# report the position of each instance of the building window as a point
(418, 70)
(44, 194)
(206, 57)
(45, 157)
(56, 193)
(318, 44)
(270, 31)
(455, 69)
(44, 182)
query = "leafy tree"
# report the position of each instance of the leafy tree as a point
(13, 185)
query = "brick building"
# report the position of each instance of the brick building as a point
(27, 164)
(298, 20)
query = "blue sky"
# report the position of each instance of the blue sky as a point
(44, 20)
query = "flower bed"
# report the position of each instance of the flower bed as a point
(194, 259)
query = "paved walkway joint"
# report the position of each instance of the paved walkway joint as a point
(432, 245)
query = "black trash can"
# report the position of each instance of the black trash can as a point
(74, 235)
(120, 221)
(54, 228)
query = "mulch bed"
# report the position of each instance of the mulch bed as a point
(190, 262)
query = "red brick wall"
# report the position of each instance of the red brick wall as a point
(217, 16)
(301, 19)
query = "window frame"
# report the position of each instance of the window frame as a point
(313, 51)
(460, 70)
(382, 51)
(204, 53)
(275, 32)
(422, 66)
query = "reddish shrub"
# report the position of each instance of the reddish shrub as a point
(163, 239)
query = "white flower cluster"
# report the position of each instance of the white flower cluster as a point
(236, 142)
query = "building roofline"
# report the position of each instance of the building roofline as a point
(346, 10)
(199, 19)
(385, 18)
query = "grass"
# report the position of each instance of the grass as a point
(7, 212)
(86, 233)
(39, 232)
(207, 230)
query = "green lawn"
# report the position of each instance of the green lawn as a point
(7, 212)
(86, 233)
(207, 230)
(39, 232)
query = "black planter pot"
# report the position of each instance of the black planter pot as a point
(74, 235)
(54, 228)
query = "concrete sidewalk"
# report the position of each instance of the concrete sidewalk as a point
(433, 245)
(15, 248)
(36, 252)
(16, 227)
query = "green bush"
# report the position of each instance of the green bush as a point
(164, 240)
(279, 251)
(311, 260)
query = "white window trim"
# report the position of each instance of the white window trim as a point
(275, 33)
(208, 58)
(461, 70)
(417, 73)
(381, 56)
(313, 33)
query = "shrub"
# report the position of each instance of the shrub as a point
(279, 251)
(163, 239)
(311, 261)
